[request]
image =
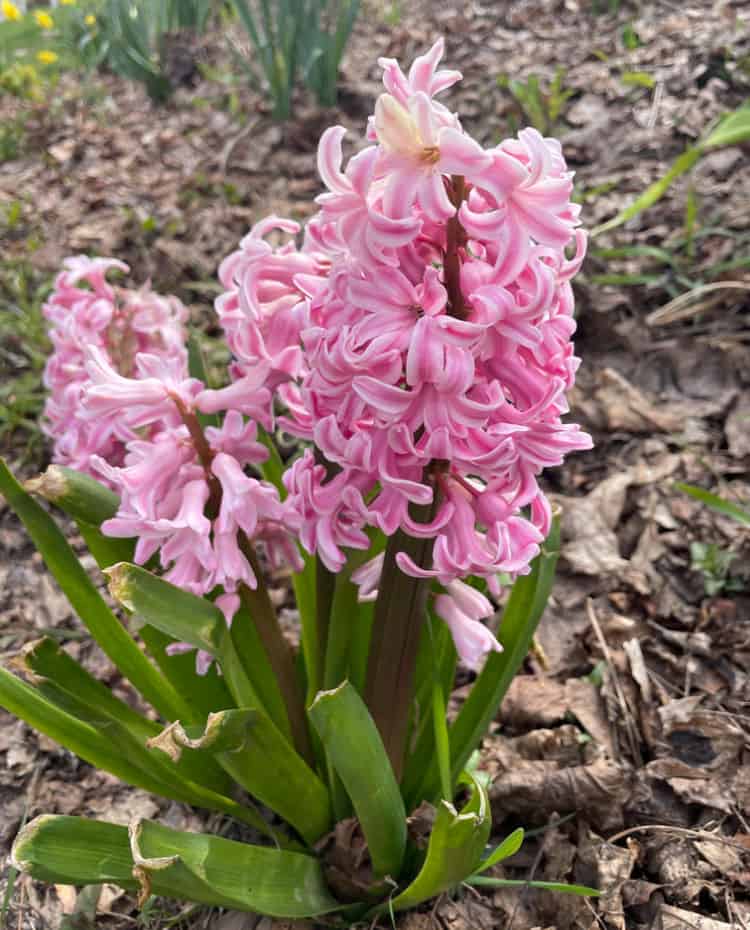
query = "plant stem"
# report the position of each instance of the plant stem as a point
(455, 240)
(400, 611)
(279, 653)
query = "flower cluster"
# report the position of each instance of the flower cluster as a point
(418, 335)
(88, 313)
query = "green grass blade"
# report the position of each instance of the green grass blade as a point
(187, 866)
(733, 129)
(509, 847)
(715, 502)
(562, 887)
(103, 625)
(356, 751)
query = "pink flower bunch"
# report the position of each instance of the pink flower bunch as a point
(420, 336)
(86, 311)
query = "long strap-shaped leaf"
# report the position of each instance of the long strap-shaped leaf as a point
(252, 750)
(90, 503)
(356, 751)
(520, 619)
(109, 745)
(66, 684)
(188, 866)
(103, 625)
(197, 621)
(454, 852)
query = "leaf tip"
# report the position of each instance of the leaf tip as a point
(24, 839)
(52, 484)
(119, 584)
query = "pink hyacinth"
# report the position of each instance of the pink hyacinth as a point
(418, 333)
(86, 312)
(420, 336)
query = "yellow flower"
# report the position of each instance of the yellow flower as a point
(44, 19)
(46, 57)
(67, 2)
(10, 10)
(90, 20)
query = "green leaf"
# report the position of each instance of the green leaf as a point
(172, 610)
(253, 659)
(187, 866)
(356, 751)
(80, 496)
(654, 192)
(509, 847)
(520, 619)
(454, 851)
(732, 129)
(204, 693)
(107, 744)
(66, 684)
(715, 502)
(51, 668)
(107, 550)
(254, 752)
(188, 618)
(103, 625)
(562, 887)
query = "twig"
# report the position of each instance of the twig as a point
(679, 831)
(655, 104)
(690, 303)
(229, 148)
(627, 715)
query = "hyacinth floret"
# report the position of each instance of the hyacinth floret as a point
(418, 332)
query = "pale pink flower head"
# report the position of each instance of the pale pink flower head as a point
(91, 318)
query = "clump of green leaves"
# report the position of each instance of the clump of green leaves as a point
(236, 729)
(135, 38)
(537, 102)
(710, 559)
(296, 42)
(714, 563)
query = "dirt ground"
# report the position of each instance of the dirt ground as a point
(625, 743)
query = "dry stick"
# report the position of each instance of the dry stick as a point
(629, 723)
(679, 831)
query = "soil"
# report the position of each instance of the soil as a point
(625, 740)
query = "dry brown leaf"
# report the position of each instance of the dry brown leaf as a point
(597, 792)
(677, 918)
